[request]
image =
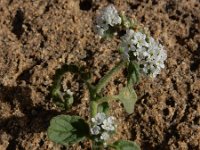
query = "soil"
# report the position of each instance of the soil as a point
(38, 37)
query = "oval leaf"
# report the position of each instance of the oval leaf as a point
(126, 145)
(65, 129)
(128, 98)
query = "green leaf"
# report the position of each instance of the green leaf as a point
(103, 107)
(133, 73)
(65, 129)
(126, 145)
(128, 98)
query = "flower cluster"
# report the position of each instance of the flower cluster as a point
(108, 18)
(102, 127)
(148, 53)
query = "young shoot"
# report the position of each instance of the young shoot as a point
(141, 55)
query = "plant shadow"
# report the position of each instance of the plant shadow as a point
(35, 119)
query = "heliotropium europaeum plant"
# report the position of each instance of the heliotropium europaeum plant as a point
(141, 55)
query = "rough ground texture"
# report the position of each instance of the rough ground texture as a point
(38, 37)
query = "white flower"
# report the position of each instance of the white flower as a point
(69, 92)
(140, 40)
(108, 124)
(127, 44)
(105, 144)
(95, 130)
(149, 54)
(99, 118)
(97, 139)
(102, 127)
(108, 17)
(104, 136)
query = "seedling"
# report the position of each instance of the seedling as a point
(141, 55)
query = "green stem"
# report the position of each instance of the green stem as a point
(130, 83)
(103, 81)
(94, 108)
(94, 102)
(106, 99)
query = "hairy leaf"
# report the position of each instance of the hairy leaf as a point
(65, 129)
(128, 98)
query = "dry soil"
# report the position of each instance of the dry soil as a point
(38, 36)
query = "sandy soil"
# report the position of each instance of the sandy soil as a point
(38, 37)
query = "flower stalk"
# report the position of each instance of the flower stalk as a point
(94, 108)
(103, 81)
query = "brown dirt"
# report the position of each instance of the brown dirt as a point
(38, 37)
